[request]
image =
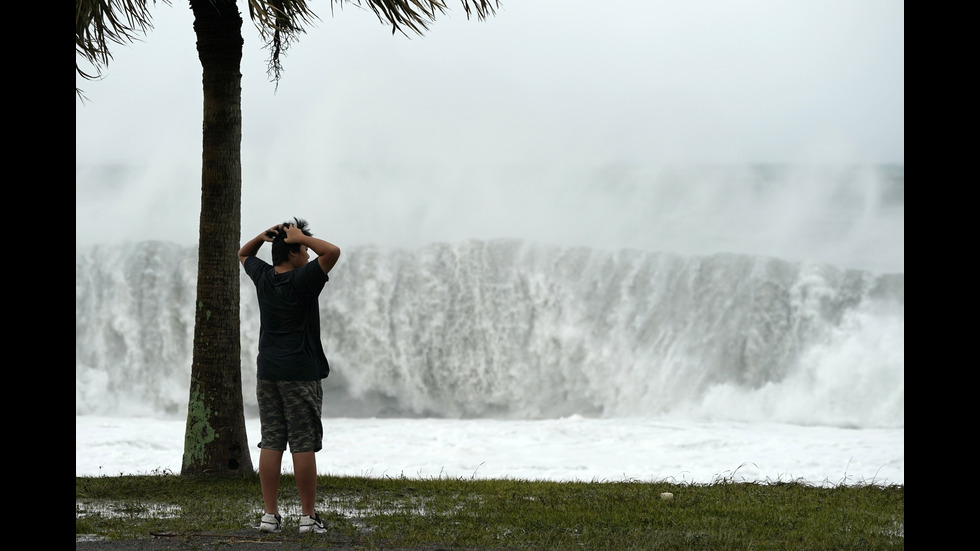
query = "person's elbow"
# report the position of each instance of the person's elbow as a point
(329, 258)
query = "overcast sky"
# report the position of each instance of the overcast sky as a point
(559, 82)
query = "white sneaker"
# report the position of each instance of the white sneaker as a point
(271, 523)
(311, 524)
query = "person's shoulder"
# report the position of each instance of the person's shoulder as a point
(253, 259)
(312, 271)
(255, 265)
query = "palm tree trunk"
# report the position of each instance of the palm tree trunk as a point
(215, 440)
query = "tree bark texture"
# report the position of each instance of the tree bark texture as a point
(215, 440)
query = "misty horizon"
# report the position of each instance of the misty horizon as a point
(554, 126)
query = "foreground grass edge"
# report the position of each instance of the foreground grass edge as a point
(375, 513)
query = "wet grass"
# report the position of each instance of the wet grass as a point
(379, 513)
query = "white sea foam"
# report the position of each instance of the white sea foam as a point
(752, 325)
(565, 449)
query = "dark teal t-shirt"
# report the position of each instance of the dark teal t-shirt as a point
(289, 311)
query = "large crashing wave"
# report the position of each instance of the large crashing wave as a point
(520, 330)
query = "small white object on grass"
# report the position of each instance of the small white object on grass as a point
(666, 495)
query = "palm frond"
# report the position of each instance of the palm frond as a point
(416, 15)
(281, 21)
(99, 23)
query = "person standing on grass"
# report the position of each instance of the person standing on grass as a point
(291, 362)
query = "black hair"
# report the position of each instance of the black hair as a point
(281, 249)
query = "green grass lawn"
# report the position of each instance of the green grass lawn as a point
(377, 513)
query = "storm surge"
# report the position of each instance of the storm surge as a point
(519, 330)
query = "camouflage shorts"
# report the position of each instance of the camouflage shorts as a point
(289, 412)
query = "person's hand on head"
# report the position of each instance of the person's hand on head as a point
(271, 233)
(293, 233)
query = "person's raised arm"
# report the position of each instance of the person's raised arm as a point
(327, 253)
(252, 247)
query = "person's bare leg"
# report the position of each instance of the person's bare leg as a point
(270, 470)
(304, 464)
